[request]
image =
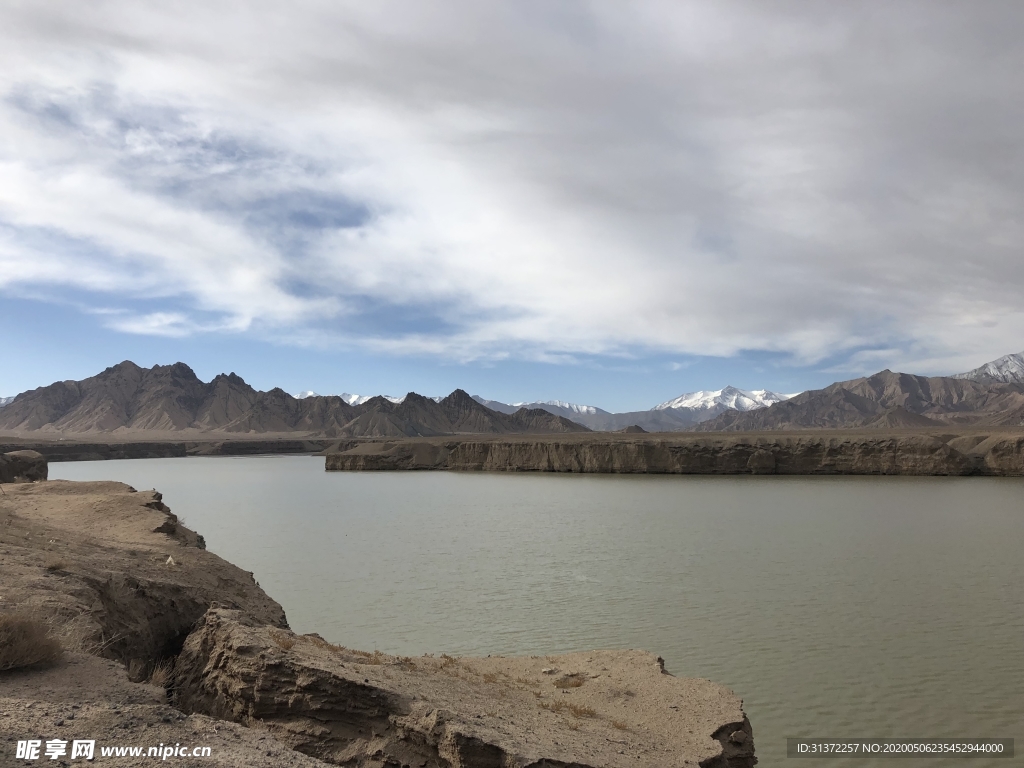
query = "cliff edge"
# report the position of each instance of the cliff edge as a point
(809, 453)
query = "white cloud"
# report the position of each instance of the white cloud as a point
(494, 180)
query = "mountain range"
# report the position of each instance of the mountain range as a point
(170, 398)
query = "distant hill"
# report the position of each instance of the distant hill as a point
(886, 399)
(170, 398)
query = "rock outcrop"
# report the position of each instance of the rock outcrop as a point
(116, 569)
(602, 709)
(808, 453)
(22, 467)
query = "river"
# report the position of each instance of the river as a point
(834, 606)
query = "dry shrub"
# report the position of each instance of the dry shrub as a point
(576, 710)
(574, 680)
(490, 677)
(447, 661)
(53, 563)
(619, 725)
(25, 642)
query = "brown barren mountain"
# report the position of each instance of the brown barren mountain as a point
(885, 399)
(126, 399)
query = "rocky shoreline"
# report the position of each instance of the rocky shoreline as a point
(167, 643)
(998, 453)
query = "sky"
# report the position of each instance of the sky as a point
(597, 202)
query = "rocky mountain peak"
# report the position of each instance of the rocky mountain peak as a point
(1008, 369)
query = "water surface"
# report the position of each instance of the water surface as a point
(835, 607)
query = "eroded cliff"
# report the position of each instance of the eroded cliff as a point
(872, 453)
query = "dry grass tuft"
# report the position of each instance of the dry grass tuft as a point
(576, 710)
(574, 680)
(490, 677)
(25, 642)
(283, 641)
(619, 725)
(319, 642)
(161, 675)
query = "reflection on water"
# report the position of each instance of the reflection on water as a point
(836, 607)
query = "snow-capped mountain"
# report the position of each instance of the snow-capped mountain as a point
(5, 400)
(1009, 369)
(557, 407)
(707, 403)
(360, 399)
(353, 399)
(562, 405)
(727, 398)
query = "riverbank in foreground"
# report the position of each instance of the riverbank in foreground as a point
(996, 452)
(166, 643)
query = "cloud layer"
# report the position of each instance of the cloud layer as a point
(525, 180)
